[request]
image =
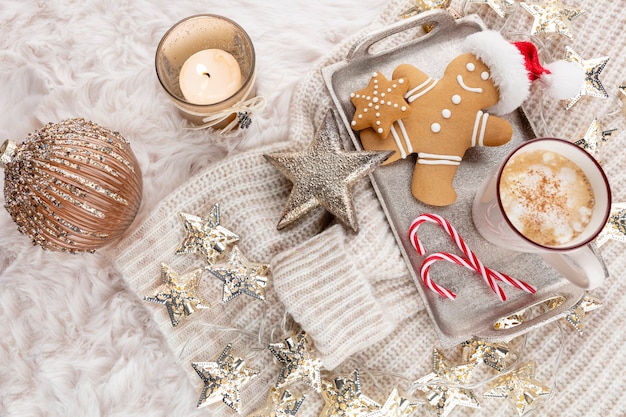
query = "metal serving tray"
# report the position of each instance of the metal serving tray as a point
(477, 311)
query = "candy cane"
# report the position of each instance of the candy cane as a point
(470, 260)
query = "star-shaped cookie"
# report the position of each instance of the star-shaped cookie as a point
(551, 18)
(323, 175)
(380, 104)
(223, 379)
(241, 276)
(299, 363)
(178, 293)
(205, 235)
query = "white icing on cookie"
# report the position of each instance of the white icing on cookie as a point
(446, 113)
(456, 99)
(459, 79)
(435, 128)
(420, 90)
(424, 158)
(480, 126)
(470, 66)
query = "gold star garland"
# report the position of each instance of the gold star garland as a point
(178, 293)
(443, 387)
(592, 68)
(489, 353)
(520, 387)
(395, 406)
(615, 228)
(550, 17)
(298, 362)
(280, 404)
(501, 7)
(343, 398)
(241, 277)
(223, 379)
(205, 235)
(575, 315)
(425, 5)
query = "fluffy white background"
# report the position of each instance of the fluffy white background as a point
(75, 340)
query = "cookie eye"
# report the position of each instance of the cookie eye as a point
(484, 75)
(470, 66)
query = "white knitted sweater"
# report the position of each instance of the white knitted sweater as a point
(352, 293)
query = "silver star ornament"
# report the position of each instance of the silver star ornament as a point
(592, 68)
(223, 379)
(241, 276)
(206, 235)
(299, 362)
(178, 293)
(323, 175)
(280, 404)
(343, 398)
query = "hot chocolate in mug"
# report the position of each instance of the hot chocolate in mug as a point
(550, 197)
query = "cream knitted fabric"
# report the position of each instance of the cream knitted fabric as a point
(252, 194)
(352, 292)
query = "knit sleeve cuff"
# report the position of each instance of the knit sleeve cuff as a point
(327, 293)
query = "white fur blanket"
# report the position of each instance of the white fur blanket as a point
(75, 340)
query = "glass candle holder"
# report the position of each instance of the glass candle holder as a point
(199, 33)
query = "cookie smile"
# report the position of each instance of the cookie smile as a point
(459, 79)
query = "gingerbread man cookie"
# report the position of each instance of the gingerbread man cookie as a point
(447, 119)
(449, 115)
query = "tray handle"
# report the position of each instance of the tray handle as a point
(438, 18)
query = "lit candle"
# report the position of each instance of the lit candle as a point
(210, 76)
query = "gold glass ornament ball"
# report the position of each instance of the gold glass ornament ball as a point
(71, 186)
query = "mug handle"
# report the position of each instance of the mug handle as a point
(583, 266)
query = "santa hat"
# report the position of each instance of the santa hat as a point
(515, 65)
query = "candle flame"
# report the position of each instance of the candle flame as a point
(202, 70)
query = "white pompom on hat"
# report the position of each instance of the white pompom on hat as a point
(515, 65)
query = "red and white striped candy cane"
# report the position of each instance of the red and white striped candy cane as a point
(470, 260)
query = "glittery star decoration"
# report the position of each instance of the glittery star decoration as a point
(280, 404)
(323, 175)
(592, 68)
(589, 142)
(575, 315)
(509, 322)
(499, 6)
(380, 104)
(241, 276)
(343, 398)
(395, 406)
(223, 379)
(519, 386)
(615, 228)
(205, 235)
(490, 353)
(551, 18)
(299, 362)
(442, 385)
(178, 293)
(425, 5)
